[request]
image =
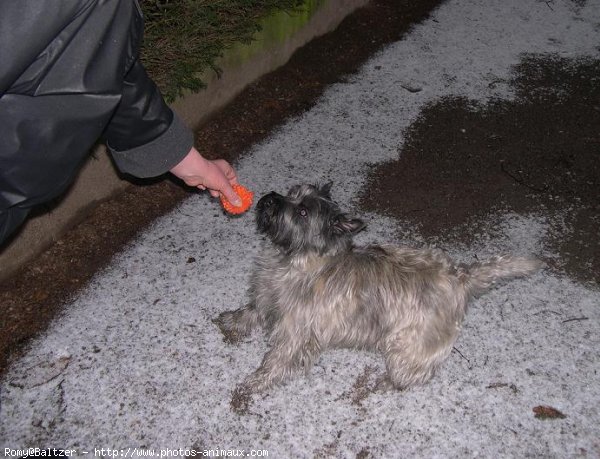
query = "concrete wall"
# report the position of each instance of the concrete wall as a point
(281, 35)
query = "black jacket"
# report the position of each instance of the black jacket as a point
(70, 75)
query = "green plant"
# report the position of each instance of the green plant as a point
(183, 38)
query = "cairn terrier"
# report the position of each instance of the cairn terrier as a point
(312, 289)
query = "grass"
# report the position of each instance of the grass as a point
(183, 38)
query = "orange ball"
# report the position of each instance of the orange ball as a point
(246, 197)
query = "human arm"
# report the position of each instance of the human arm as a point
(147, 139)
(216, 176)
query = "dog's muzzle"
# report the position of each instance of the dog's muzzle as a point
(268, 201)
(267, 208)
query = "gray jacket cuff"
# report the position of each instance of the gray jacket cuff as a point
(158, 156)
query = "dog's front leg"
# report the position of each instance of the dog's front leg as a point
(292, 350)
(237, 324)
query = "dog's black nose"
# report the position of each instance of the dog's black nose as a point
(268, 200)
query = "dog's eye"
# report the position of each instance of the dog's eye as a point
(302, 212)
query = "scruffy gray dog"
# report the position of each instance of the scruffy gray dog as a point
(312, 289)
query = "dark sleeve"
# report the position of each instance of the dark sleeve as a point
(145, 137)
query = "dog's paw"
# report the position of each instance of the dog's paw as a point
(235, 325)
(242, 395)
(227, 324)
(383, 384)
(257, 382)
(229, 328)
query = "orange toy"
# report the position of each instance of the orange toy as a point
(246, 197)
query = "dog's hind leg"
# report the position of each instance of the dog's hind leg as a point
(409, 363)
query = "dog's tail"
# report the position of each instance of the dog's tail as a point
(479, 277)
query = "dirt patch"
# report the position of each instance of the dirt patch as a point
(364, 385)
(33, 297)
(330, 449)
(295, 87)
(461, 161)
(241, 401)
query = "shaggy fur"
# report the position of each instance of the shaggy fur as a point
(312, 289)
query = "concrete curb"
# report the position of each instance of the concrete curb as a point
(281, 36)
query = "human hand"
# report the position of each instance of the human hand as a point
(217, 176)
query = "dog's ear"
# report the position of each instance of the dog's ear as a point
(325, 190)
(341, 224)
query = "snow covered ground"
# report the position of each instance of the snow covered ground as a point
(135, 360)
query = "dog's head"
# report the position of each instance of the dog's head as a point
(306, 220)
